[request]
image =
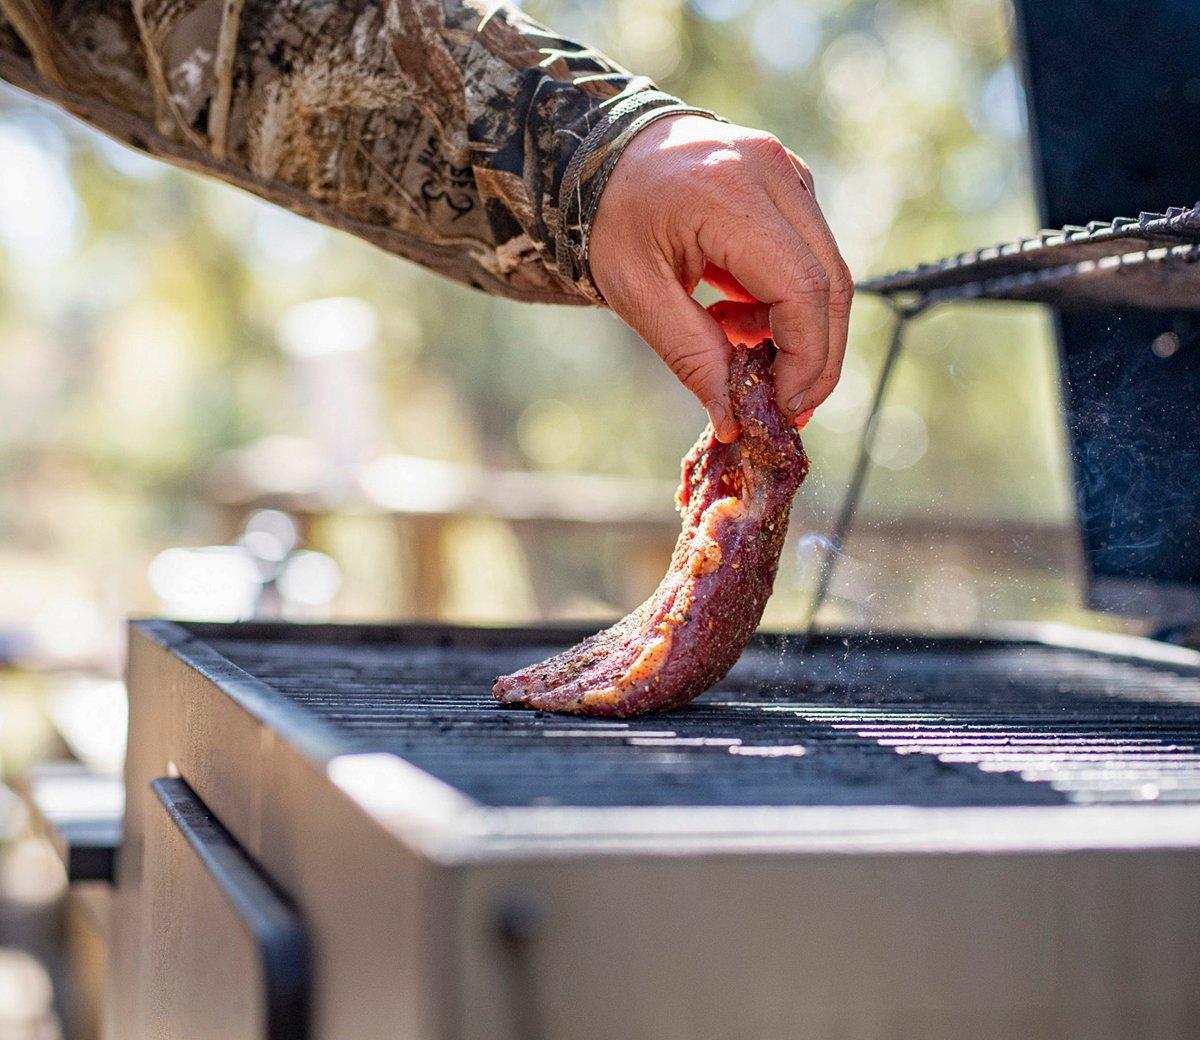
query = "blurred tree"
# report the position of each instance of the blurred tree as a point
(138, 303)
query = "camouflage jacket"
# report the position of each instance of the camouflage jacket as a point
(457, 133)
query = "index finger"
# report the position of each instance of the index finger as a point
(796, 201)
(724, 282)
(764, 253)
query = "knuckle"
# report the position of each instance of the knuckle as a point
(767, 147)
(811, 281)
(693, 365)
(841, 288)
(802, 168)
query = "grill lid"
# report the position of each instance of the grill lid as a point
(1128, 293)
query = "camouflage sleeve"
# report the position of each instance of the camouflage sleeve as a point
(457, 133)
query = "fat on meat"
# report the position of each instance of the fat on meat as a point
(735, 500)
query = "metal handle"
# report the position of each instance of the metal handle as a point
(270, 921)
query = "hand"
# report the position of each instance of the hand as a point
(690, 191)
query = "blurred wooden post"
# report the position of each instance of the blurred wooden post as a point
(427, 590)
(422, 499)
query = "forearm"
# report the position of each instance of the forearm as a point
(476, 145)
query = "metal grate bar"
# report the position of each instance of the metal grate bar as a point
(1150, 261)
(852, 721)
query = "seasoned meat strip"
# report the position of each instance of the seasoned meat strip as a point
(735, 500)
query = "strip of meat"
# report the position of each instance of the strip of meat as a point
(735, 500)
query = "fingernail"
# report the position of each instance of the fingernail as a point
(796, 405)
(718, 415)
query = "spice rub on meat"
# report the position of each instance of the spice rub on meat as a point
(735, 500)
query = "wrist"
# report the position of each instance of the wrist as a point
(646, 198)
(590, 169)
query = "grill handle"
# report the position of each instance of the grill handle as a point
(190, 851)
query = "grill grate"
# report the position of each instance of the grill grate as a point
(1151, 261)
(852, 721)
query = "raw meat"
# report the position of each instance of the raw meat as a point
(735, 500)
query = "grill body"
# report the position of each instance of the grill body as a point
(881, 837)
(1115, 133)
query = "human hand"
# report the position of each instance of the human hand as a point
(693, 198)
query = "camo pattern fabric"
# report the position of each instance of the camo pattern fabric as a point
(458, 133)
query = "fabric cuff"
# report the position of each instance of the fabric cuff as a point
(589, 170)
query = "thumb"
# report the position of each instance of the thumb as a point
(692, 344)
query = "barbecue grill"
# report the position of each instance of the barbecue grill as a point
(881, 836)
(333, 832)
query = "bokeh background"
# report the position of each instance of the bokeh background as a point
(210, 408)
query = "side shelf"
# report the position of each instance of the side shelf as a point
(80, 813)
